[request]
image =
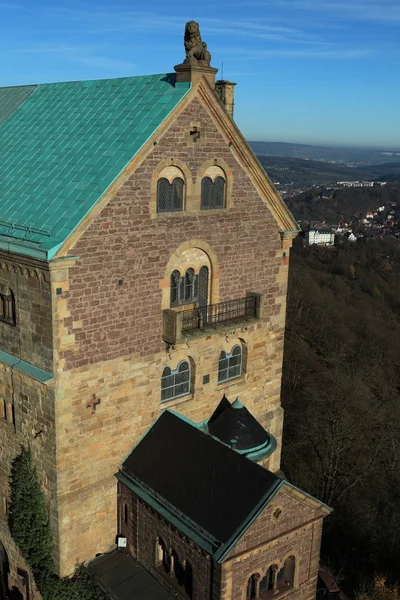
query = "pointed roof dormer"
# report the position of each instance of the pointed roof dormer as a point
(234, 425)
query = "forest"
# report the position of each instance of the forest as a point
(341, 204)
(341, 395)
(305, 172)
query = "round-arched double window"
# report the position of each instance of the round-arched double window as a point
(175, 383)
(230, 364)
(212, 193)
(170, 194)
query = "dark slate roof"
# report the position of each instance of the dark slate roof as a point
(222, 406)
(200, 478)
(63, 144)
(122, 578)
(233, 422)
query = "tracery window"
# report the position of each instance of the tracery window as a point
(269, 581)
(286, 574)
(7, 307)
(212, 193)
(189, 288)
(180, 572)
(274, 582)
(170, 195)
(252, 584)
(175, 383)
(230, 364)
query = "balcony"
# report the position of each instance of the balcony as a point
(183, 324)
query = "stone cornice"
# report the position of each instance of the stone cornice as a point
(24, 260)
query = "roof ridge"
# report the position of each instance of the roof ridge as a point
(90, 128)
(45, 83)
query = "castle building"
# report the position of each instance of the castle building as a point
(143, 273)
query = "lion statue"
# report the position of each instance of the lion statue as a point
(194, 46)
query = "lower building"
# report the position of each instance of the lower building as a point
(207, 521)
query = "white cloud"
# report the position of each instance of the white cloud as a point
(333, 54)
(382, 11)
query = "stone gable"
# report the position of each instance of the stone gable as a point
(286, 527)
(126, 243)
(112, 334)
(283, 514)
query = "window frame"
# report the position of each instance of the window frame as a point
(172, 191)
(8, 309)
(174, 373)
(228, 357)
(185, 288)
(211, 188)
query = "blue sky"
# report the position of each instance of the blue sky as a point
(308, 71)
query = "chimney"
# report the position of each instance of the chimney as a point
(197, 62)
(225, 91)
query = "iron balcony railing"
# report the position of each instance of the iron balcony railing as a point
(178, 323)
(212, 314)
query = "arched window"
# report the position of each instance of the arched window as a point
(252, 587)
(3, 409)
(212, 193)
(175, 383)
(170, 195)
(203, 286)
(188, 579)
(268, 582)
(179, 569)
(161, 556)
(286, 574)
(230, 365)
(7, 307)
(158, 552)
(189, 288)
(177, 288)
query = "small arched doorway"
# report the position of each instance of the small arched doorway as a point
(4, 570)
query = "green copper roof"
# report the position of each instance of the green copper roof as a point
(63, 144)
(11, 98)
(25, 367)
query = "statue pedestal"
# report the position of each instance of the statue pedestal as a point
(193, 70)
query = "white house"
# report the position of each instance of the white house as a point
(322, 236)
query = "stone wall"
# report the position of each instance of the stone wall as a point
(110, 317)
(32, 426)
(128, 243)
(31, 339)
(146, 526)
(270, 540)
(92, 445)
(282, 514)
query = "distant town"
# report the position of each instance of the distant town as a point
(380, 220)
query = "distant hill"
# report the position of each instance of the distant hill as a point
(306, 172)
(356, 156)
(342, 204)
